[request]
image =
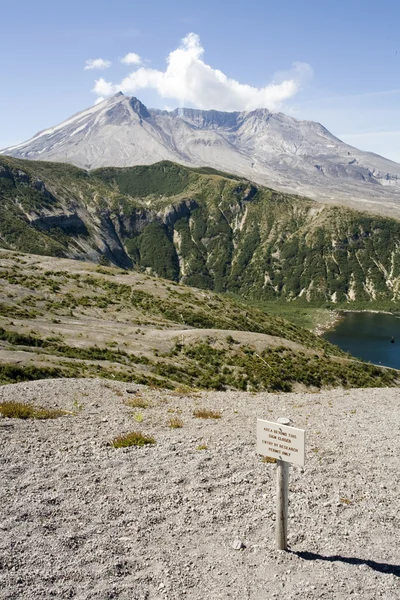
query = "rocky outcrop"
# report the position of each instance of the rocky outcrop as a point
(71, 224)
(171, 214)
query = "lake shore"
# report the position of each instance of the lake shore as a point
(364, 310)
(369, 335)
(332, 320)
(336, 317)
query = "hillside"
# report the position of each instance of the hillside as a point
(201, 228)
(63, 318)
(270, 148)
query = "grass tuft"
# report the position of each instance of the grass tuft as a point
(268, 459)
(20, 410)
(138, 417)
(137, 402)
(181, 390)
(345, 501)
(175, 423)
(135, 438)
(203, 413)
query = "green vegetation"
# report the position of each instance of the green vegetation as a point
(154, 249)
(16, 312)
(302, 314)
(18, 233)
(60, 349)
(163, 178)
(207, 366)
(175, 423)
(135, 438)
(77, 296)
(138, 417)
(10, 373)
(204, 413)
(206, 229)
(137, 402)
(20, 410)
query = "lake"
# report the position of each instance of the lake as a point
(368, 336)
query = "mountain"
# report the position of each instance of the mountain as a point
(202, 228)
(268, 148)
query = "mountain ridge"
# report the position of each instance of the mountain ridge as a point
(202, 228)
(268, 148)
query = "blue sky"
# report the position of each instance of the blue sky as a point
(332, 61)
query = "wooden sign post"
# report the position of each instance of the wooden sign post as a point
(286, 444)
(282, 502)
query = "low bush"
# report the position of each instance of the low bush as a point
(137, 402)
(135, 438)
(21, 410)
(203, 413)
(175, 423)
(10, 373)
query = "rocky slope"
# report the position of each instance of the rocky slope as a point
(269, 148)
(202, 228)
(82, 519)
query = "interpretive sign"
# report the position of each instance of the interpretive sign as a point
(280, 442)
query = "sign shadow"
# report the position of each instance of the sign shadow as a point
(372, 564)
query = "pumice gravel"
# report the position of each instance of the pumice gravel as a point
(82, 519)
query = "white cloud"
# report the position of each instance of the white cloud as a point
(97, 63)
(103, 87)
(131, 59)
(98, 100)
(190, 81)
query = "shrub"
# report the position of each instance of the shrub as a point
(137, 402)
(20, 410)
(175, 423)
(135, 438)
(10, 373)
(203, 413)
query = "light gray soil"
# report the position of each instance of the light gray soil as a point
(80, 519)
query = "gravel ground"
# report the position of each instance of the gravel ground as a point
(80, 519)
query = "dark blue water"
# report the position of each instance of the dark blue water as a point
(368, 336)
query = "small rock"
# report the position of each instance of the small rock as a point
(238, 544)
